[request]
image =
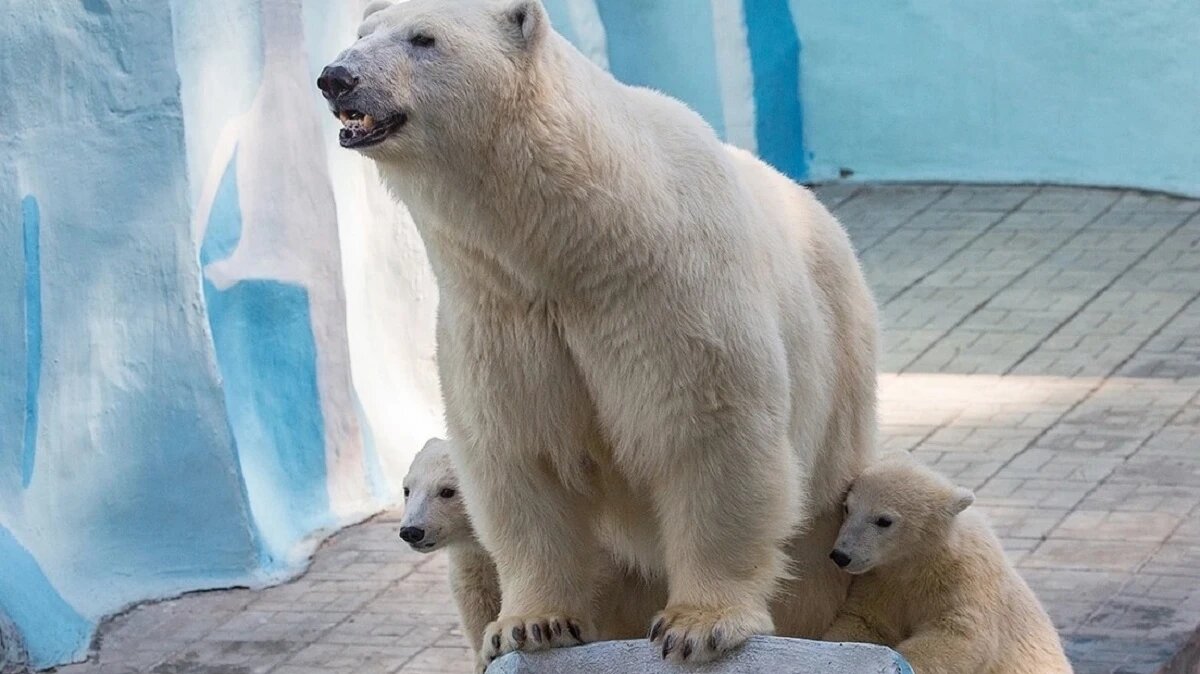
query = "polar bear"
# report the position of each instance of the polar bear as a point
(932, 580)
(653, 348)
(436, 519)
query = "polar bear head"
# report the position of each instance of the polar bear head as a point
(895, 508)
(434, 514)
(428, 79)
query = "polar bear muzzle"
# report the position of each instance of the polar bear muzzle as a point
(362, 126)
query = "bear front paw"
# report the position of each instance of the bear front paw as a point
(529, 633)
(694, 634)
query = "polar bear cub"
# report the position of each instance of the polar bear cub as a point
(434, 519)
(932, 580)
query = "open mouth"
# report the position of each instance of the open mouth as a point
(362, 130)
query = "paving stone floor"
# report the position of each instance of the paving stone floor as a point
(1042, 346)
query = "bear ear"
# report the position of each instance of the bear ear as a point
(527, 21)
(960, 500)
(375, 6)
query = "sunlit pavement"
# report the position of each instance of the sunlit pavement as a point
(1042, 346)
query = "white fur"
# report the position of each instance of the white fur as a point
(473, 580)
(934, 583)
(653, 348)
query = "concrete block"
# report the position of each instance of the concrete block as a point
(761, 655)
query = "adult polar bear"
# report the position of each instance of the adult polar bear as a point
(651, 345)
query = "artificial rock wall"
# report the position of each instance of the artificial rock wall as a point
(186, 267)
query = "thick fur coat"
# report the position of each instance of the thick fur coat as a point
(933, 581)
(655, 350)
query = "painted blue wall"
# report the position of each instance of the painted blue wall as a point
(1100, 92)
(666, 45)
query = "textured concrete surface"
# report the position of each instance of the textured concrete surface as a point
(762, 654)
(13, 658)
(1042, 347)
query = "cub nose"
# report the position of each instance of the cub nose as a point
(336, 81)
(412, 535)
(840, 558)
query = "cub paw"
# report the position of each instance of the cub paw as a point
(694, 634)
(529, 633)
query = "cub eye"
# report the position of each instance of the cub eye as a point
(883, 522)
(421, 40)
(406, 492)
(446, 493)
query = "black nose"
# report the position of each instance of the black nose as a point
(840, 558)
(412, 535)
(336, 81)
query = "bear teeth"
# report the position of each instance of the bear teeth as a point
(356, 118)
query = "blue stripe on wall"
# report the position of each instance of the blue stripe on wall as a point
(262, 332)
(224, 227)
(53, 631)
(31, 219)
(666, 45)
(775, 62)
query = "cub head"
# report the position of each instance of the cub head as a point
(428, 77)
(434, 514)
(894, 509)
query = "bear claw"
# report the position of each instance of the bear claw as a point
(656, 629)
(697, 635)
(529, 633)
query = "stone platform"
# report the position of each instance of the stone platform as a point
(761, 655)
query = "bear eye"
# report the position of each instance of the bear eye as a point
(406, 492)
(446, 493)
(883, 522)
(421, 40)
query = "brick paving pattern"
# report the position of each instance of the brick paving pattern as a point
(1042, 346)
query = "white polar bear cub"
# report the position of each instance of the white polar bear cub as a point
(653, 348)
(435, 519)
(933, 582)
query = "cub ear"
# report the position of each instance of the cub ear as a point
(960, 500)
(375, 6)
(527, 21)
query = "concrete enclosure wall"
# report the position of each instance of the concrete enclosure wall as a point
(216, 328)
(1100, 92)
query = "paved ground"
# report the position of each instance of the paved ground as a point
(1042, 346)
